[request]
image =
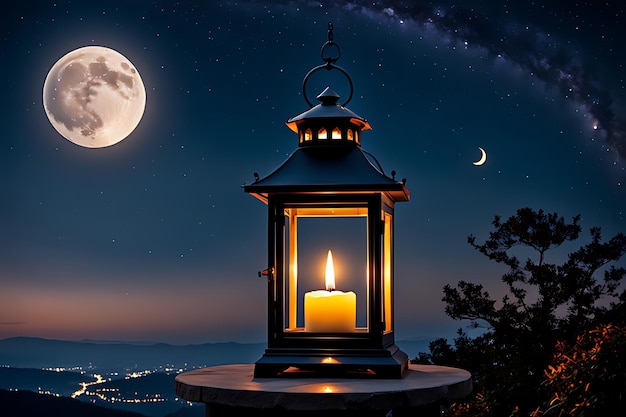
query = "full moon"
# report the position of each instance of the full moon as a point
(94, 96)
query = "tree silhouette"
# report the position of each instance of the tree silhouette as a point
(547, 305)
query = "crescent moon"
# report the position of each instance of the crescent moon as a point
(483, 157)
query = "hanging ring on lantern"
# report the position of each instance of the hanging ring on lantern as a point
(328, 66)
(329, 59)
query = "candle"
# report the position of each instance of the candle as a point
(329, 310)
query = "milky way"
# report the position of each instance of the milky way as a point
(564, 47)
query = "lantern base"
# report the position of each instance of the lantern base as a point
(388, 363)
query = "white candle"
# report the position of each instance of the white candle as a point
(329, 310)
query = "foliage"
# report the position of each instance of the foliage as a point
(588, 378)
(547, 306)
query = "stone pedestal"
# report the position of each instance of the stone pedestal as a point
(233, 390)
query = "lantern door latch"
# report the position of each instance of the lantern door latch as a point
(268, 272)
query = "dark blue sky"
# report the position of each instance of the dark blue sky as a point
(154, 239)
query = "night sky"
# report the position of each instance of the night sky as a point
(154, 239)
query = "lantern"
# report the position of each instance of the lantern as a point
(330, 248)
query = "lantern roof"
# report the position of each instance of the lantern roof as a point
(315, 170)
(328, 109)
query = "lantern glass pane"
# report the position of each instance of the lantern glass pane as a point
(311, 233)
(387, 262)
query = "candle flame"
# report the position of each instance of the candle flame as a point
(330, 272)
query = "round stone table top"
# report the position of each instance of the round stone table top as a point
(235, 385)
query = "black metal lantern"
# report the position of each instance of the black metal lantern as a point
(330, 204)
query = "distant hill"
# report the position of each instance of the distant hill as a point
(31, 404)
(28, 352)
(23, 360)
(158, 386)
(62, 383)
